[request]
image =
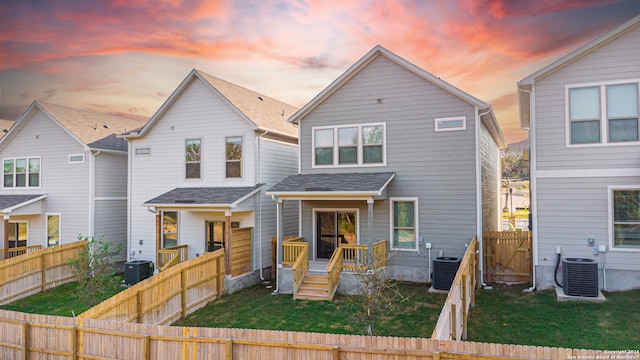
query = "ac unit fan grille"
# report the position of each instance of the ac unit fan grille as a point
(580, 277)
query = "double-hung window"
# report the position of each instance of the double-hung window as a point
(349, 145)
(233, 145)
(603, 114)
(53, 230)
(404, 223)
(21, 172)
(193, 158)
(625, 218)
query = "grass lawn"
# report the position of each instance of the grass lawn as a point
(506, 315)
(256, 308)
(62, 300)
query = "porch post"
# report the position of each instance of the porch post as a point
(158, 235)
(279, 237)
(6, 236)
(227, 242)
(370, 222)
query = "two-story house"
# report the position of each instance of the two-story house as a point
(64, 174)
(198, 170)
(582, 115)
(391, 152)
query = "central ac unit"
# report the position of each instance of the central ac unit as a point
(580, 277)
(444, 271)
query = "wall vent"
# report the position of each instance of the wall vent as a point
(580, 277)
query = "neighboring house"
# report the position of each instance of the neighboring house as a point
(390, 152)
(64, 174)
(582, 116)
(198, 170)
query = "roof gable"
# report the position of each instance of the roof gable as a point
(91, 129)
(363, 62)
(260, 111)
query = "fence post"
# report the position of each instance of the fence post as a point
(139, 306)
(336, 353)
(25, 334)
(145, 349)
(229, 350)
(183, 295)
(220, 275)
(453, 322)
(463, 336)
(44, 271)
(74, 342)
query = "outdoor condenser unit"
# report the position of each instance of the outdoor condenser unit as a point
(444, 271)
(580, 277)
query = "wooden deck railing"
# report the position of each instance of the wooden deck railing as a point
(452, 323)
(354, 257)
(380, 254)
(291, 249)
(17, 251)
(334, 268)
(300, 267)
(169, 257)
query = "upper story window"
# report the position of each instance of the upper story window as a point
(603, 114)
(76, 159)
(143, 151)
(451, 123)
(21, 172)
(349, 145)
(233, 145)
(192, 158)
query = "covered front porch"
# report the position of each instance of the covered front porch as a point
(192, 221)
(340, 245)
(15, 228)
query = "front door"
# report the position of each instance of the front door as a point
(333, 228)
(215, 235)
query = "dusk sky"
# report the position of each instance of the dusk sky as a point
(125, 57)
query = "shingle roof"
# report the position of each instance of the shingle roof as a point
(333, 183)
(204, 196)
(11, 201)
(267, 113)
(96, 130)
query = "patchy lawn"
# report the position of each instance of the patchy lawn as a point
(507, 315)
(256, 308)
(62, 300)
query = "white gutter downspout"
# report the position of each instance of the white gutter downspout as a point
(92, 191)
(479, 191)
(259, 170)
(532, 189)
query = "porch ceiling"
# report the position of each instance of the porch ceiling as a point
(203, 197)
(19, 204)
(343, 186)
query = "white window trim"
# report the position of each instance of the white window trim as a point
(46, 235)
(242, 160)
(314, 228)
(135, 152)
(360, 146)
(604, 128)
(416, 221)
(27, 174)
(610, 190)
(455, 118)
(77, 161)
(21, 222)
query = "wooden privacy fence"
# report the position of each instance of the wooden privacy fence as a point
(507, 256)
(452, 323)
(167, 296)
(37, 271)
(241, 251)
(17, 251)
(30, 336)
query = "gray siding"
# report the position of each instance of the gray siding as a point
(618, 60)
(436, 167)
(111, 175)
(66, 185)
(490, 170)
(111, 224)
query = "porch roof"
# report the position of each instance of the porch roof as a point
(17, 204)
(341, 186)
(203, 197)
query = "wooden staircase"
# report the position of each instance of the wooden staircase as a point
(315, 286)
